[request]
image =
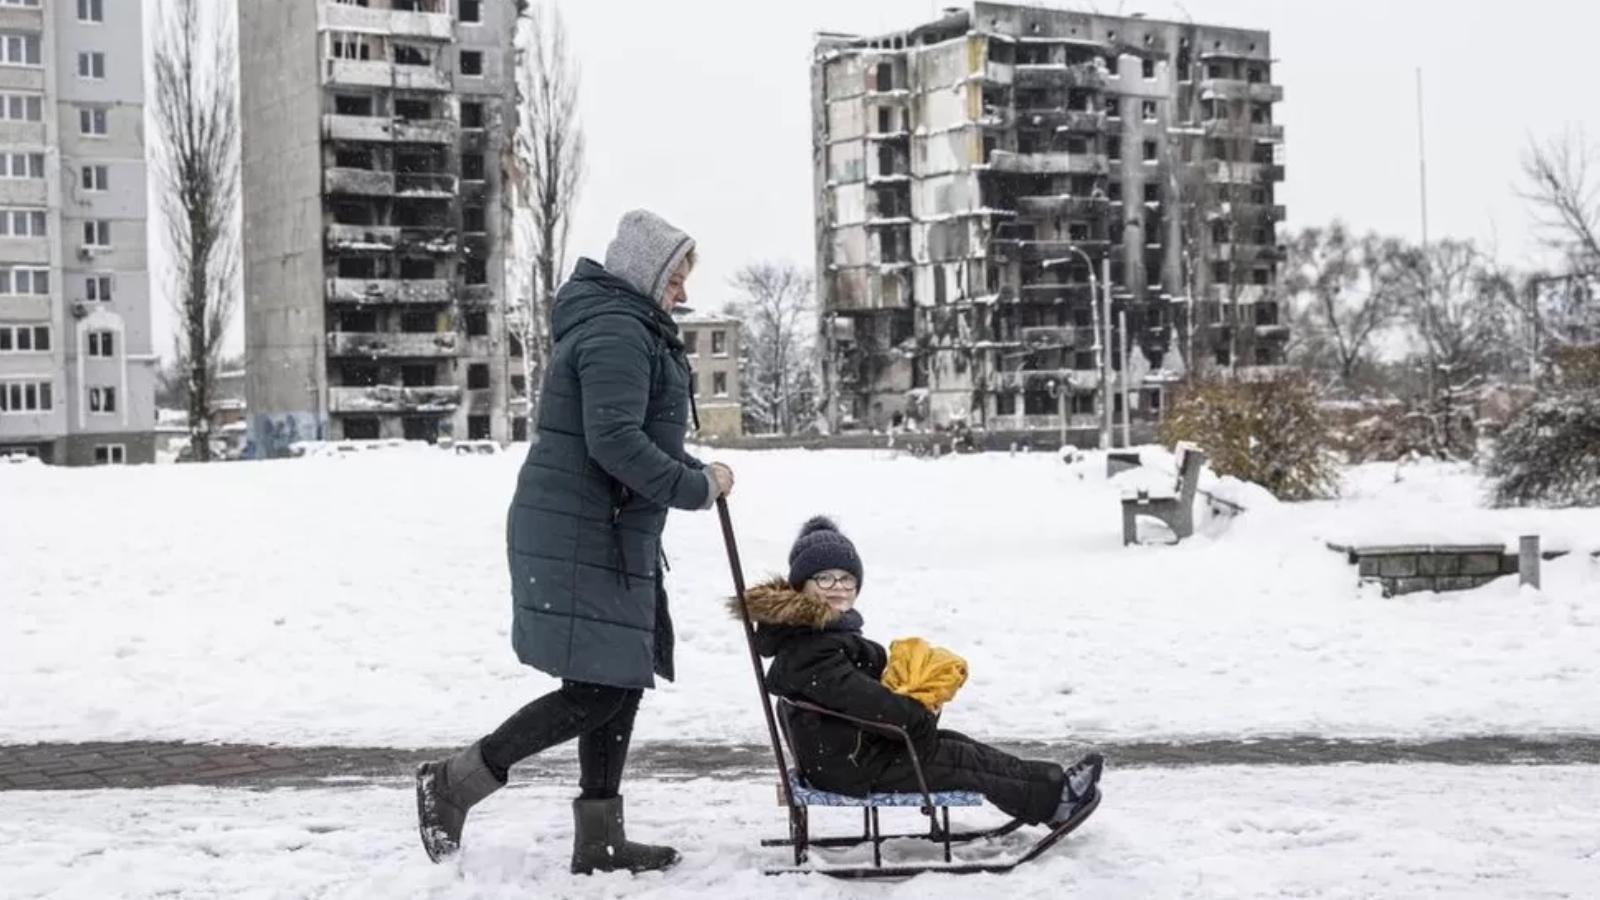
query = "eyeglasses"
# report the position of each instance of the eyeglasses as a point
(828, 581)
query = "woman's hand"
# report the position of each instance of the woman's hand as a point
(723, 477)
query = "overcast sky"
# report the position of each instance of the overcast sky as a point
(700, 110)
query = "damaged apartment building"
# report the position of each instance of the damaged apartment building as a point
(979, 177)
(377, 221)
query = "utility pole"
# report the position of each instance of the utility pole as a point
(1105, 357)
(1127, 401)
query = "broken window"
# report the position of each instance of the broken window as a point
(719, 343)
(1114, 232)
(1217, 149)
(513, 346)
(1221, 272)
(1077, 231)
(1150, 151)
(1261, 153)
(475, 271)
(885, 76)
(519, 428)
(1148, 68)
(346, 105)
(477, 324)
(1113, 107)
(416, 269)
(361, 428)
(1005, 404)
(358, 374)
(1215, 70)
(412, 110)
(419, 428)
(1261, 113)
(719, 384)
(419, 375)
(1152, 192)
(471, 11)
(1114, 148)
(1082, 404)
(1148, 109)
(885, 120)
(1261, 275)
(471, 114)
(1185, 61)
(1028, 141)
(411, 55)
(1112, 70)
(1114, 190)
(357, 267)
(419, 322)
(358, 320)
(352, 158)
(1118, 273)
(478, 377)
(1222, 355)
(1219, 232)
(519, 385)
(1208, 110)
(1264, 355)
(473, 219)
(1254, 75)
(1077, 145)
(472, 62)
(1038, 403)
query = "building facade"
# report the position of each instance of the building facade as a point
(77, 375)
(378, 220)
(987, 184)
(713, 347)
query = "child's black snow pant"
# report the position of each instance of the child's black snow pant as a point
(1026, 789)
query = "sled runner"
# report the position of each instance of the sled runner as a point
(799, 798)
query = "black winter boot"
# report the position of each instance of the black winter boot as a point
(445, 791)
(600, 841)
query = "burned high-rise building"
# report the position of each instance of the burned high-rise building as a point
(988, 183)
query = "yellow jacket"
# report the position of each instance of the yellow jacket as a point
(928, 674)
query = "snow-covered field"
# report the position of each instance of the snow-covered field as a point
(1226, 832)
(364, 601)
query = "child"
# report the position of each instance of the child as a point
(809, 627)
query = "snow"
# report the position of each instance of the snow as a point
(1224, 832)
(362, 600)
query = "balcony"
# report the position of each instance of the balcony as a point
(343, 17)
(358, 73)
(421, 78)
(473, 294)
(374, 345)
(1047, 251)
(1045, 337)
(1061, 75)
(999, 73)
(362, 237)
(386, 398)
(1083, 122)
(1064, 205)
(425, 184)
(355, 128)
(437, 241)
(1255, 131)
(425, 131)
(1239, 89)
(1223, 171)
(365, 291)
(1048, 163)
(362, 182)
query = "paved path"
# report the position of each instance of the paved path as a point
(153, 763)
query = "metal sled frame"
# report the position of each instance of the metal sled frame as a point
(934, 805)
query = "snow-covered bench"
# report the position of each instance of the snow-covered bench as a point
(1176, 509)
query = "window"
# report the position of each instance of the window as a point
(92, 121)
(24, 280)
(472, 115)
(411, 55)
(1113, 107)
(91, 64)
(1152, 192)
(97, 288)
(417, 428)
(97, 233)
(477, 376)
(411, 323)
(1005, 404)
(96, 178)
(21, 165)
(1254, 75)
(477, 428)
(110, 454)
(21, 107)
(1114, 148)
(472, 167)
(350, 46)
(475, 271)
(477, 324)
(1114, 191)
(472, 220)
(719, 382)
(472, 11)
(691, 342)
(91, 11)
(1222, 355)
(519, 385)
(22, 223)
(1260, 114)
(102, 344)
(365, 428)
(19, 49)
(102, 400)
(26, 397)
(24, 338)
(1260, 275)
(1221, 272)
(1077, 231)
(1148, 109)
(1111, 67)
(1149, 69)
(472, 62)
(719, 343)
(519, 428)
(1150, 151)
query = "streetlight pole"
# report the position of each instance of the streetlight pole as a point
(1102, 349)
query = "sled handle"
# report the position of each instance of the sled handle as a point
(750, 643)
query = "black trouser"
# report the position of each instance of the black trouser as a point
(598, 715)
(1026, 789)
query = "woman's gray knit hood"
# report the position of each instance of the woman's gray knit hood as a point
(646, 251)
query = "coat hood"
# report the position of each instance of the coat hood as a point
(646, 251)
(593, 291)
(774, 602)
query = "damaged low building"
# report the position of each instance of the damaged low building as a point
(988, 184)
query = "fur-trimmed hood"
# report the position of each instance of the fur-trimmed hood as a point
(775, 602)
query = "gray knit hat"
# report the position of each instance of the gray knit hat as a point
(646, 251)
(819, 547)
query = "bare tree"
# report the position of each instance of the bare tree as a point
(197, 125)
(1344, 291)
(1453, 298)
(549, 171)
(1565, 200)
(779, 322)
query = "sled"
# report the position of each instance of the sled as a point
(798, 797)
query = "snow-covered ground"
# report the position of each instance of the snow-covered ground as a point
(364, 601)
(1226, 832)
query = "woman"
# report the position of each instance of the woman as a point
(583, 540)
